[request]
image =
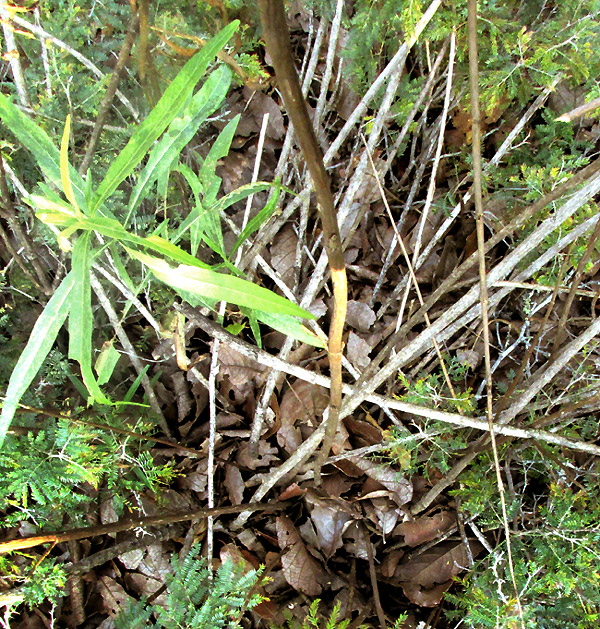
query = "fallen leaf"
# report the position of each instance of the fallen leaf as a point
(401, 488)
(234, 484)
(238, 367)
(300, 569)
(267, 454)
(113, 595)
(425, 529)
(357, 351)
(360, 316)
(436, 565)
(330, 523)
(283, 254)
(425, 597)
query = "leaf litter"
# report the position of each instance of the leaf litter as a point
(319, 546)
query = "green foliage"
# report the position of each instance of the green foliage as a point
(314, 620)
(197, 598)
(46, 582)
(53, 473)
(86, 209)
(554, 554)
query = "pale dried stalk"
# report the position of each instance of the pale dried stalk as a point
(456, 310)
(130, 351)
(455, 419)
(13, 54)
(483, 289)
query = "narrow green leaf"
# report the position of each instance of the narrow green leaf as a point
(40, 342)
(106, 362)
(180, 132)
(255, 223)
(81, 317)
(35, 140)
(111, 228)
(211, 285)
(64, 165)
(211, 183)
(172, 101)
(290, 326)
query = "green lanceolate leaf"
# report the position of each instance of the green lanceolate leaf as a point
(211, 285)
(47, 156)
(113, 229)
(168, 107)
(81, 317)
(64, 165)
(40, 342)
(180, 132)
(290, 326)
(263, 216)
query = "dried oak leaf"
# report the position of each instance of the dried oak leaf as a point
(425, 529)
(300, 569)
(360, 316)
(425, 597)
(400, 487)
(436, 565)
(235, 484)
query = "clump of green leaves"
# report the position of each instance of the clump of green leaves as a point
(554, 551)
(197, 598)
(51, 473)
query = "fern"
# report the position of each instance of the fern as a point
(194, 600)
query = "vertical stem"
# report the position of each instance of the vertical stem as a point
(275, 32)
(13, 52)
(483, 291)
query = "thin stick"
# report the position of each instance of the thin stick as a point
(111, 90)
(264, 358)
(128, 525)
(13, 54)
(374, 586)
(128, 347)
(483, 290)
(277, 41)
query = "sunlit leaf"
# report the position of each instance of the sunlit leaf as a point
(40, 342)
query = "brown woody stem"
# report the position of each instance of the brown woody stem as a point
(276, 36)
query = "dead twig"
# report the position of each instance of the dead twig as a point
(277, 41)
(483, 289)
(111, 90)
(58, 537)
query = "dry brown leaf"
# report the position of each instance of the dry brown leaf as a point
(267, 454)
(302, 402)
(238, 367)
(425, 597)
(436, 565)
(235, 484)
(401, 488)
(425, 529)
(360, 316)
(389, 563)
(330, 523)
(113, 595)
(357, 351)
(300, 569)
(283, 254)
(359, 546)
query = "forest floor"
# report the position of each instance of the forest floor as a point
(392, 528)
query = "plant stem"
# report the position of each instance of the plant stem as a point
(276, 37)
